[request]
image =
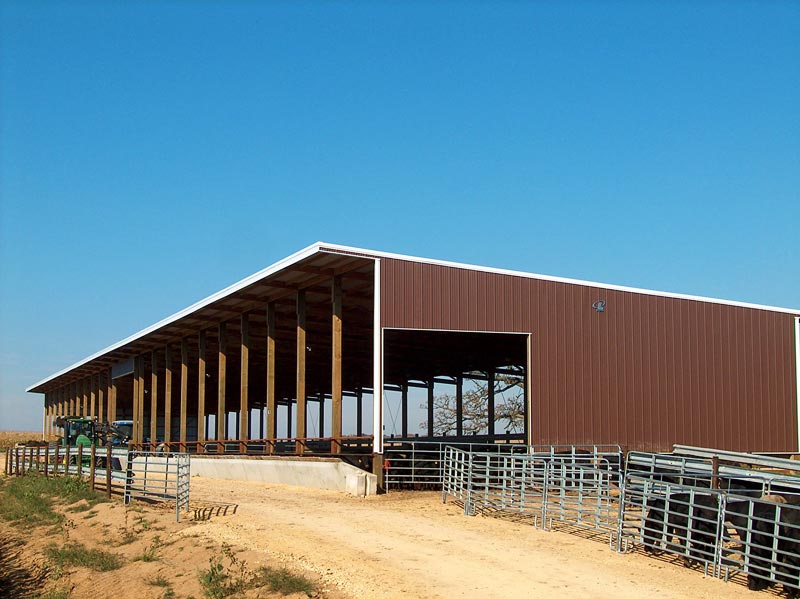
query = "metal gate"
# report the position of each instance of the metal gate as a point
(160, 476)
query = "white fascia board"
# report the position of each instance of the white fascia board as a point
(254, 278)
(515, 273)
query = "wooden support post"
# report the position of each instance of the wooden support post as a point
(301, 372)
(244, 384)
(490, 404)
(92, 465)
(321, 401)
(46, 416)
(167, 395)
(136, 423)
(289, 428)
(460, 405)
(184, 390)
(272, 408)
(430, 407)
(101, 396)
(221, 381)
(404, 410)
(336, 366)
(71, 399)
(359, 412)
(85, 396)
(261, 423)
(112, 397)
(201, 390)
(153, 400)
(92, 397)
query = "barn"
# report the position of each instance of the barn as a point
(340, 350)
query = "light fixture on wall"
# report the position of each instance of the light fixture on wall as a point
(599, 306)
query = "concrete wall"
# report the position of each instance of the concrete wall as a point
(332, 475)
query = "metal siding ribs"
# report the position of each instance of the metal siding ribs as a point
(647, 372)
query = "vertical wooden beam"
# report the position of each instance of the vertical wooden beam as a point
(301, 370)
(289, 423)
(244, 381)
(272, 408)
(404, 410)
(101, 396)
(85, 396)
(153, 398)
(72, 392)
(201, 386)
(490, 404)
(167, 394)
(46, 415)
(221, 381)
(460, 405)
(430, 407)
(336, 364)
(184, 389)
(321, 400)
(136, 424)
(359, 412)
(92, 396)
(111, 412)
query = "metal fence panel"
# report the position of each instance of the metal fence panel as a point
(157, 475)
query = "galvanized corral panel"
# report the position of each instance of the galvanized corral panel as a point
(647, 372)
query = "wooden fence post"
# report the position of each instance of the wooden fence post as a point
(66, 459)
(108, 471)
(92, 456)
(79, 461)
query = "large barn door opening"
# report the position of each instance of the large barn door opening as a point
(455, 386)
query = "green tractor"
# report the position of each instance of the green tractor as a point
(87, 432)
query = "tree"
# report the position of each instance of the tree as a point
(509, 411)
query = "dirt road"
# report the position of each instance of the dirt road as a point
(408, 544)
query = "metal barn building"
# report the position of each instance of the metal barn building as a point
(329, 332)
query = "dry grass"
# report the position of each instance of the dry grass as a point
(11, 438)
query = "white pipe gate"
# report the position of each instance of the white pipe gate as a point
(724, 519)
(158, 476)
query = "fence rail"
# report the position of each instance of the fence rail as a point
(420, 464)
(134, 474)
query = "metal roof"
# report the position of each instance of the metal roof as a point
(316, 251)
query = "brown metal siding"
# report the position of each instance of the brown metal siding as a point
(648, 372)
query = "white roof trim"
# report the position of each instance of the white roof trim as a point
(528, 275)
(254, 278)
(334, 248)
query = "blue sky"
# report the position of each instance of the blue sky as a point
(152, 153)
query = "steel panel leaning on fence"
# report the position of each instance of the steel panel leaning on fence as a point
(160, 476)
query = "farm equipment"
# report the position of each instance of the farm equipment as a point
(87, 432)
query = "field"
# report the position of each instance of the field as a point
(246, 539)
(10, 438)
